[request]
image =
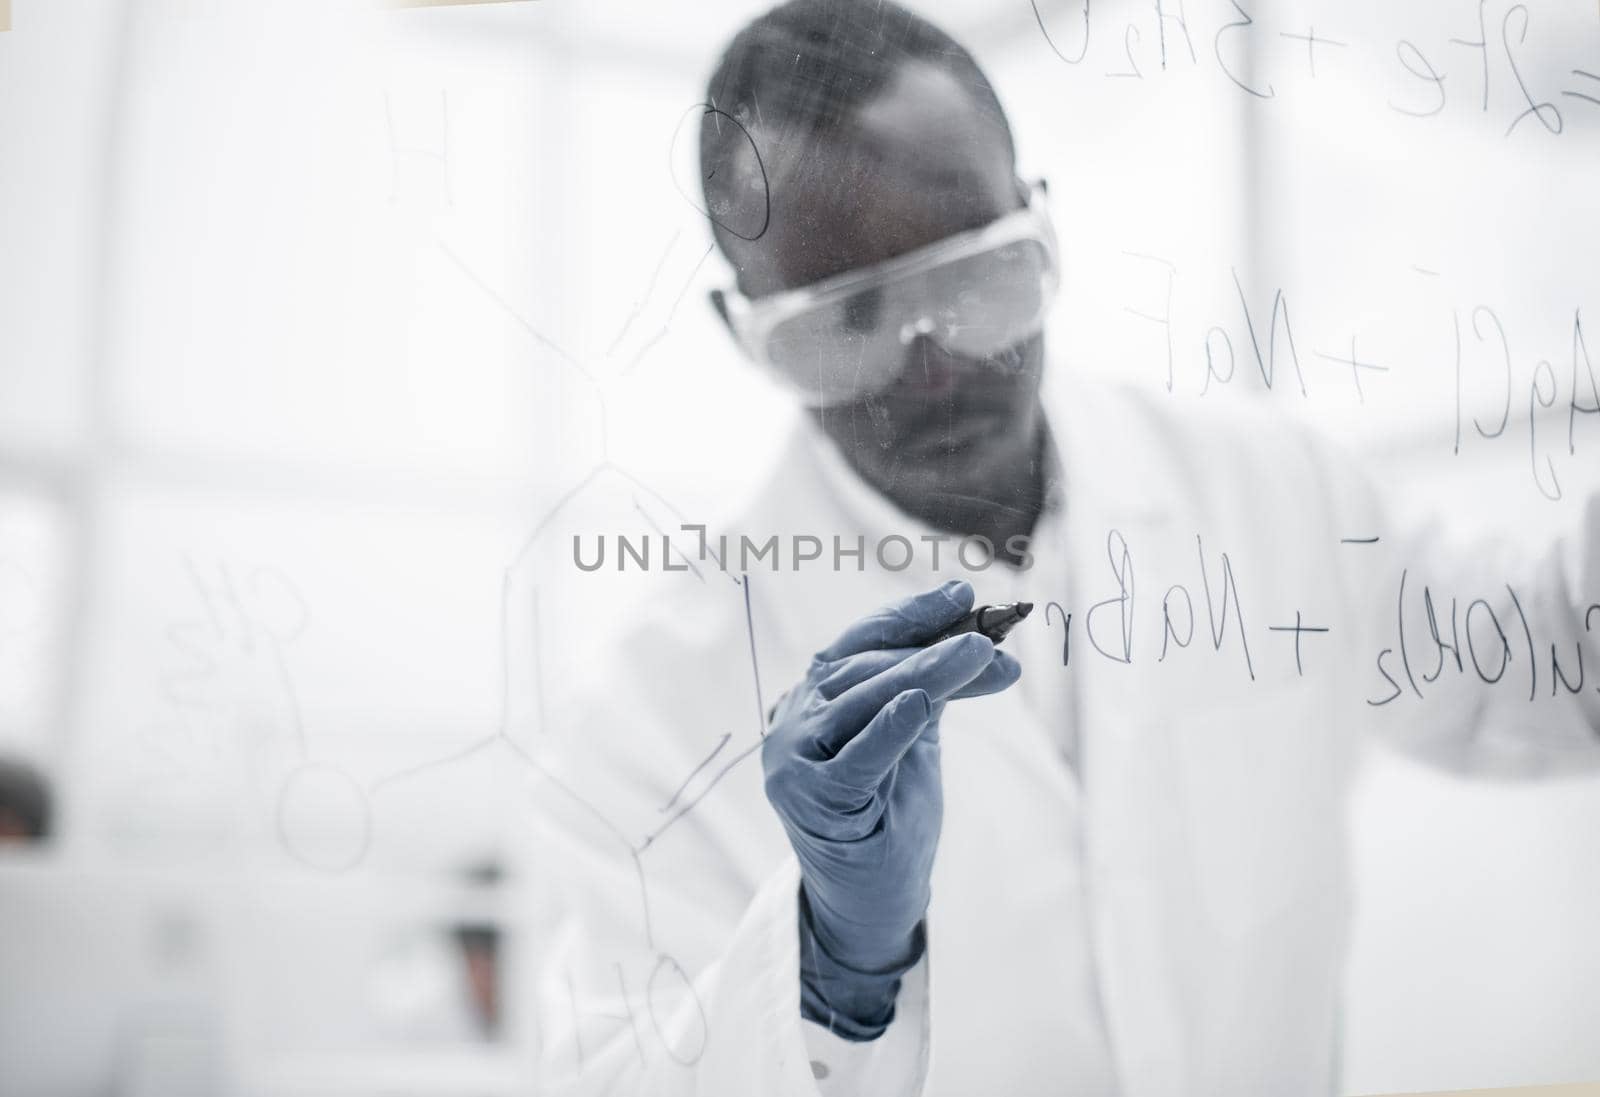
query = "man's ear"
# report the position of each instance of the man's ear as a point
(719, 301)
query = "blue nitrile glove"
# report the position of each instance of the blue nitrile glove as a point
(852, 768)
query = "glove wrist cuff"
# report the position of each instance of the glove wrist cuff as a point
(851, 1002)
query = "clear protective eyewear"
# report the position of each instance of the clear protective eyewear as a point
(974, 294)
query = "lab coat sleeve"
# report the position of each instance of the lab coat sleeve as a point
(664, 930)
(732, 1028)
(893, 1065)
(1475, 655)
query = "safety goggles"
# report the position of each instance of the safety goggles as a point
(974, 294)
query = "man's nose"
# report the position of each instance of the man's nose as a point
(920, 328)
(928, 368)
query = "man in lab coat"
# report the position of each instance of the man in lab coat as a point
(1140, 885)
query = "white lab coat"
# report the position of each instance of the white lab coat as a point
(1157, 843)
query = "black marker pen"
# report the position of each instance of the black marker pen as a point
(995, 622)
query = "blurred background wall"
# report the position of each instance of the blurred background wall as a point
(310, 311)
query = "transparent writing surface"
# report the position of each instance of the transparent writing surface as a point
(366, 424)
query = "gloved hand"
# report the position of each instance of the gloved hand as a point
(852, 768)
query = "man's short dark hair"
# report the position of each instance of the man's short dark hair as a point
(802, 71)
